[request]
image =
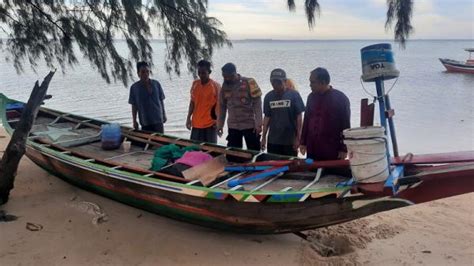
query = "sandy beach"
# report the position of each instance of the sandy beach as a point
(59, 224)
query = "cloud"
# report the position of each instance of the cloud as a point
(275, 21)
(423, 7)
(339, 20)
(379, 3)
(230, 7)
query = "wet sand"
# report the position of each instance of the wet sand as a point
(75, 227)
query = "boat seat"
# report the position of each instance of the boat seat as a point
(78, 142)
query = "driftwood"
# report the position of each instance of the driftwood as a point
(16, 147)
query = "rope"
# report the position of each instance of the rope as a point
(376, 97)
(393, 85)
(369, 177)
(378, 159)
(368, 93)
(381, 139)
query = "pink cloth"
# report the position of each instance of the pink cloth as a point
(193, 158)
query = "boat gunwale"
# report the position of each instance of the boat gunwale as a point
(71, 157)
(456, 63)
(150, 180)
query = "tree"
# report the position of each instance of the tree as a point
(17, 145)
(399, 10)
(48, 29)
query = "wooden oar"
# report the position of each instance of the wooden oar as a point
(243, 168)
(436, 158)
(251, 178)
(291, 165)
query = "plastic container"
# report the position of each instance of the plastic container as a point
(15, 106)
(111, 136)
(367, 151)
(377, 62)
(126, 145)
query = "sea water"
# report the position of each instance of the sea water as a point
(433, 108)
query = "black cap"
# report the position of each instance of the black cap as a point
(229, 68)
(278, 73)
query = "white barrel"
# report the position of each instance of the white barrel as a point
(367, 153)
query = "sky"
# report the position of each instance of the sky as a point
(341, 19)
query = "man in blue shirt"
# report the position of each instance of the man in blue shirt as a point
(146, 98)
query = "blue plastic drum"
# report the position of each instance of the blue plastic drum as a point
(111, 136)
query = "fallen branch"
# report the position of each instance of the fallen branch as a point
(16, 147)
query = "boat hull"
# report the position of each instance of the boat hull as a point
(455, 66)
(231, 215)
(250, 211)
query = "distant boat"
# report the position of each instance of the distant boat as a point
(458, 66)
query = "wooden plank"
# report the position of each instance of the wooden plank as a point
(437, 158)
(142, 137)
(82, 122)
(208, 171)
(68, 118)
(316, 179)
(121, 155)
(125, 167)
(78, 142)
(228, 179)
(254, 158)
(266, 182)
(313, 166)
(193, 182)
(59, 118)
(366, 113)
(222, 150)
(239, 187)
(259, 176)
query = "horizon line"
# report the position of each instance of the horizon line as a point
(316, 40)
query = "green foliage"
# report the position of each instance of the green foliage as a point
(48, 29)
(399, 10)
(311, 8)
(52, 29)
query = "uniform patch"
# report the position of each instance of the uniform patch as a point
(280, 104)
(227, 94)
(254, 89)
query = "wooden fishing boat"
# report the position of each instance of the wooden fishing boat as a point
(458, 66)
(69, 146)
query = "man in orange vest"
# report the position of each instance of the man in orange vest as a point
(203, 106)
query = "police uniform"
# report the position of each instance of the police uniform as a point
(242, 100)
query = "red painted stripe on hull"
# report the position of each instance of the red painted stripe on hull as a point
(102, 183)
(437, 158)
(440, 185)
(452, 68)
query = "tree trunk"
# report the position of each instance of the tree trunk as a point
(16, 147)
